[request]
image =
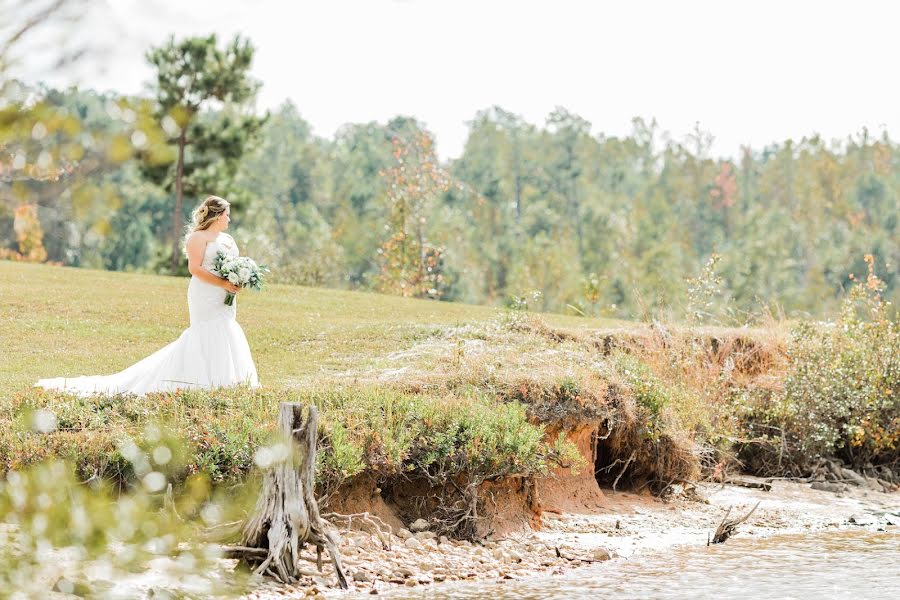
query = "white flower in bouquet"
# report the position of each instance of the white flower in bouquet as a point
(241, 271)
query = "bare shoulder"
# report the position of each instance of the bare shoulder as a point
(197, 239)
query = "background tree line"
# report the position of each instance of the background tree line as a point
(547, 214)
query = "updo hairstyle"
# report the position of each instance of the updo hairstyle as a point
(205, 214)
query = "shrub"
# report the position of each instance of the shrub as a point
(841, 397)
(393, 433)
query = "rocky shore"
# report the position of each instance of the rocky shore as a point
(619, 525)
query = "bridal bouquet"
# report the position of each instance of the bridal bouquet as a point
(241, 271)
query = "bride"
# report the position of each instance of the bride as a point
(212, 352)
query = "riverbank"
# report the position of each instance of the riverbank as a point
(620, 526)
(498, 429)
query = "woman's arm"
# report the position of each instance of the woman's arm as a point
(196, 245)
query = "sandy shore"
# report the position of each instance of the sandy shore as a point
(622, 524)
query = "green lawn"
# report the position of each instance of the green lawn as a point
(60, 321)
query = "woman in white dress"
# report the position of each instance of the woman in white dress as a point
(212, 352)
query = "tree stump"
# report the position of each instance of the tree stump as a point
(287, 516)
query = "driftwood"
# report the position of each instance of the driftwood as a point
(757, 485)
(574, 558)
(727, 528)
(287, 516)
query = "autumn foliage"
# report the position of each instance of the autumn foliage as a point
(29, 236)
(410, 265)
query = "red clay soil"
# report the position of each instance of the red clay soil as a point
(568, 491)
(360, 495)
(508, 506)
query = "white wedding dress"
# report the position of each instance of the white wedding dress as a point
(212, 352)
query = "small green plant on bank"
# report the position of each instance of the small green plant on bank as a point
(650, 395)
(703, 290)
(526, 301)
(654, 441)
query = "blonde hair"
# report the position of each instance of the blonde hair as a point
(210, 210)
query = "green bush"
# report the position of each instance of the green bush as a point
(391, 433)
(480, 437)
(655, 400)
(841, 397)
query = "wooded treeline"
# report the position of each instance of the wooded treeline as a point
(552, 215)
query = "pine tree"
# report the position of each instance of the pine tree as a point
(191, 75)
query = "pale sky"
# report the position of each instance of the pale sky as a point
(751, 72)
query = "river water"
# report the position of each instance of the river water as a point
(855, 563)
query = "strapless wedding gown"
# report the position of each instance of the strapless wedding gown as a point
(212, 352)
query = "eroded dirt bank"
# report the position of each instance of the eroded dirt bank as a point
(573, 518)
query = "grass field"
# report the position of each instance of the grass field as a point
(59, 321)
(435, 390)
